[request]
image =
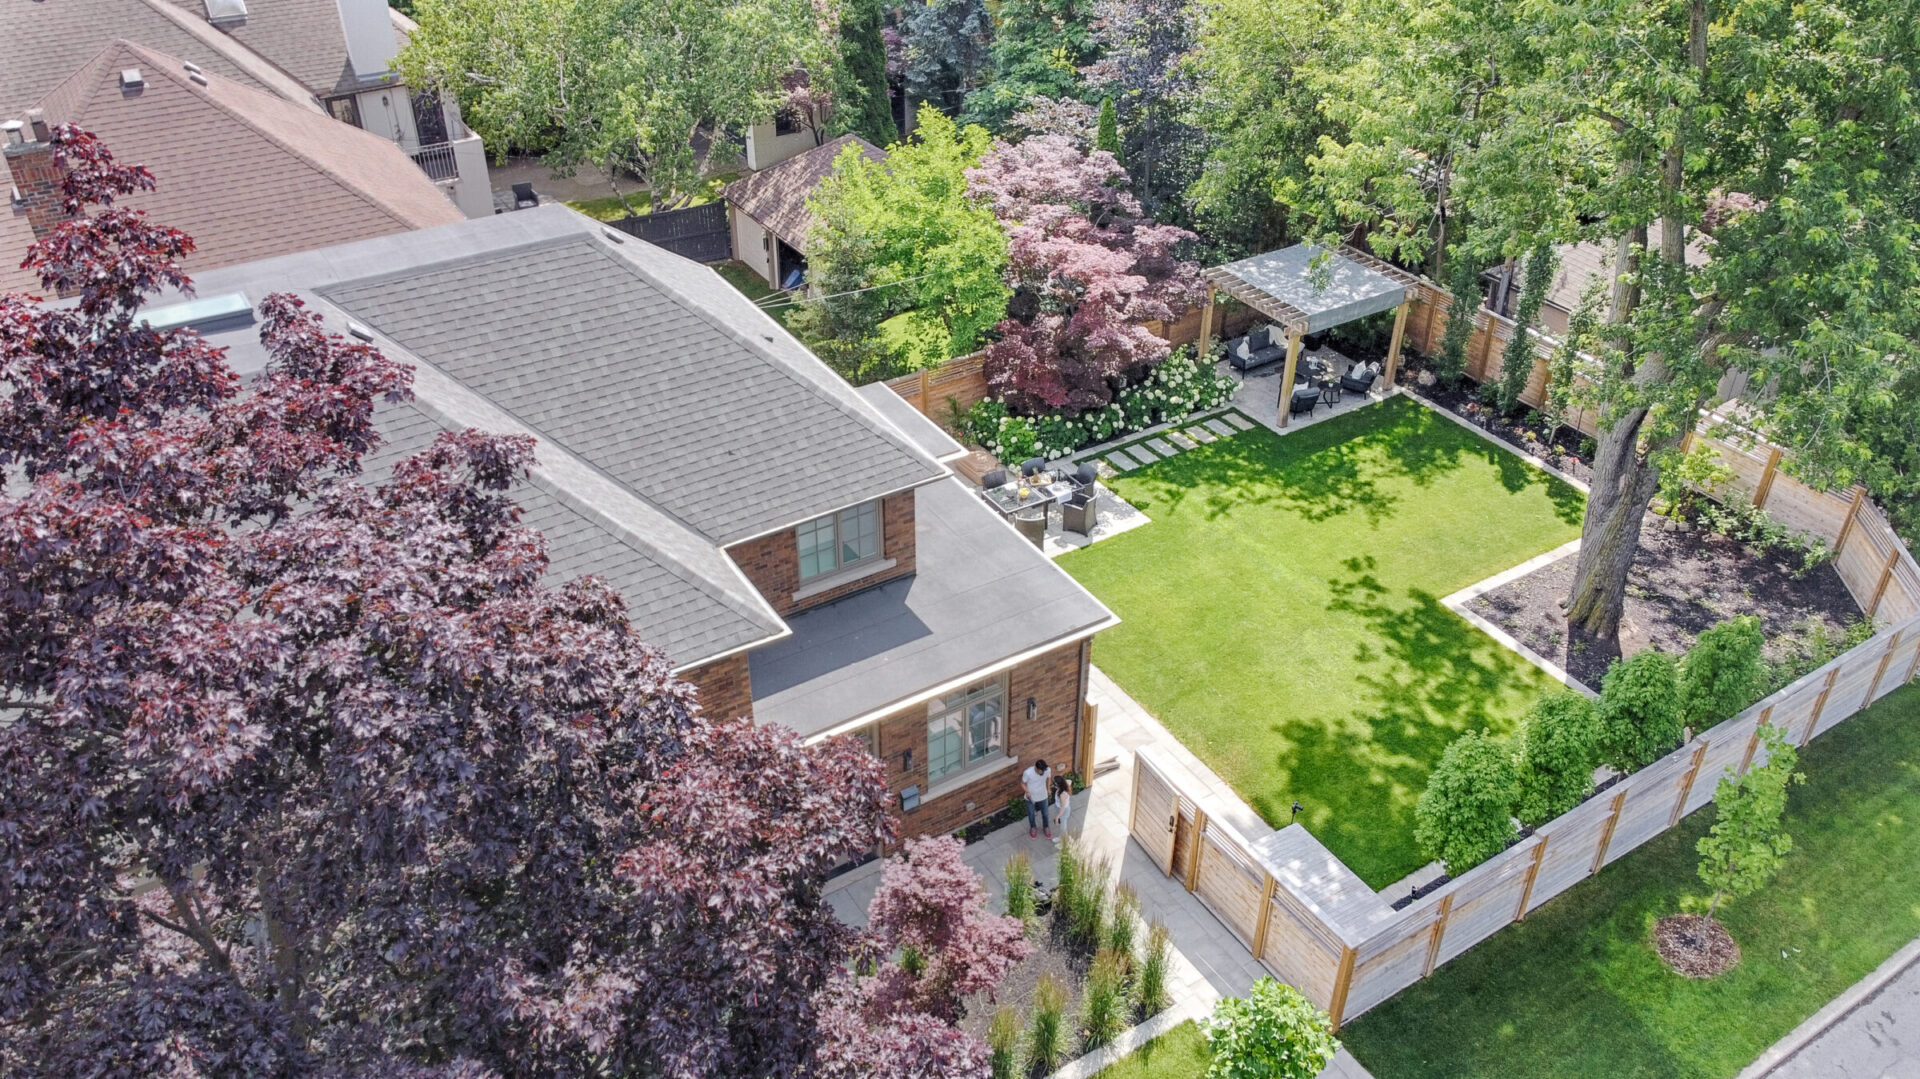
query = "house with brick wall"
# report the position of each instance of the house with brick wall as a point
(800, 549)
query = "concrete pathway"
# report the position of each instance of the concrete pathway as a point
(1872, 1031)
(1209, 962)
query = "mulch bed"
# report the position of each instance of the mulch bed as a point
(1695, 946)
(1052, 954)
(1526, 430)
(1681, 583)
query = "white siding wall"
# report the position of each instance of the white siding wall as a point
(752, 245)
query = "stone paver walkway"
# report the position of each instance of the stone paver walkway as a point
(1209, 962)
(1871, 1032)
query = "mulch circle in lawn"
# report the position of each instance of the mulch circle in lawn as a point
(1695, 946)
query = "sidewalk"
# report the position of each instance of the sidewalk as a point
(1871, 1031)
(1209, 962)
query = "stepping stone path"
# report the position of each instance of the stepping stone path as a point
(1172, 442)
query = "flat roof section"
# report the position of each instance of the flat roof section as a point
(980, 595)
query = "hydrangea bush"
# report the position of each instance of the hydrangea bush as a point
(1180, 386)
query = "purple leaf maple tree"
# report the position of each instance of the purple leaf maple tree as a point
(1086, 266)
(306, 775)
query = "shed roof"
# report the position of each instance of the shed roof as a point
(1309, 293)
(777, 196)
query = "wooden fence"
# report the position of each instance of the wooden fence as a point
(1315, 925)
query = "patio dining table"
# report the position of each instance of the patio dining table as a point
(1009, 499)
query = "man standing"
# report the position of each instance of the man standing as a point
(1034, 779)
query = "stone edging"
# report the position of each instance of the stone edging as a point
(1824, 1019)
(1457, 603)
(1130, 1039)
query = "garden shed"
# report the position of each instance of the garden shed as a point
(1306, 289)
(767, 210)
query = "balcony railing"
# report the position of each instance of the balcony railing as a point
(437, 161)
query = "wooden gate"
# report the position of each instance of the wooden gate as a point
(1156, 813)
(700, 233)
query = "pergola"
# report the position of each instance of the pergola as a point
(1286, 286)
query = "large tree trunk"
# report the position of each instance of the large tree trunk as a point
(1624, 483)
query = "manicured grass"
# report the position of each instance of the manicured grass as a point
(1576, 989)
(1282, 611)
(1180, 1053)
(754, 287)
(612, 209)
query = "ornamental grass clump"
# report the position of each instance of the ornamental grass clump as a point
(1047, 1031)
(1003, 1043)
(1067, 893)
(1103, 1002)
(1087, 920)
(1150, 982)
(1019, 873)
(1124, 926)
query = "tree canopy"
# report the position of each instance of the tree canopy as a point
(646, 85)
(304, 774)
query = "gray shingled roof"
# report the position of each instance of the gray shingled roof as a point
(633, 364)
(46, 40)
(980, 593)
(670, 606)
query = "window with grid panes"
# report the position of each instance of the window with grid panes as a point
(839, 540)
(966, 728)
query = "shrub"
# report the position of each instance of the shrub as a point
(1003, 1043)
(1722, 672)
(1150, 985)
(1046, 1032)
(1125, 923)
(1559, 748)
(1687, 477)
(1640, 710)
(1746, 845)
(1019, 873)
(1275, 1033)
(1465, 815)
(1102, 1006)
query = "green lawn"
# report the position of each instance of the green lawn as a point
(1282, 616)
(612, 208)
(1576, 990)
(755, 287)
(1180, 1053)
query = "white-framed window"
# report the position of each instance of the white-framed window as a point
(839, 540)
(966, 728)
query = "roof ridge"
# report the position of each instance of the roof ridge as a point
(861, 410)
(172, 68)
(290, 89)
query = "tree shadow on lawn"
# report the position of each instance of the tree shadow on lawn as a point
(1422, 682)
(1334, 468)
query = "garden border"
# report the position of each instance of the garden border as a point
(1317, 926)
(1459, 603)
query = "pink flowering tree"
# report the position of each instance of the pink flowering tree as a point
(1086, 268)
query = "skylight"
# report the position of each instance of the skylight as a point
(206, 313)
(226, 12)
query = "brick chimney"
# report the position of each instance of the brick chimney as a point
(36, 180)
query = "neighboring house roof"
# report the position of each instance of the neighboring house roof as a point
(303, 38)
(1583, 264)
(45, 40)
(672, 418)
(777, 196)
(248, 175)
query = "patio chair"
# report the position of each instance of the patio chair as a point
(996, 478)
(1076, 513)
(523, 196)
(1086, 476)
(1032, 523)
(1032, 466)
(1359, 378)
(1305, 399)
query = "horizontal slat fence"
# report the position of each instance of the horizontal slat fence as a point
(1348, 962)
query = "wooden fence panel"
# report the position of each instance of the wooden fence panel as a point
(1486, 899)
(1651, 793)
(1230, 885)
(1299, 953)
(1397, 962)
(1803, 509)
(1573, 839)
(1726, 750)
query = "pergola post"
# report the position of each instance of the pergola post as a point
(1206, 328)
(1286, 377)
(1393, 348)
